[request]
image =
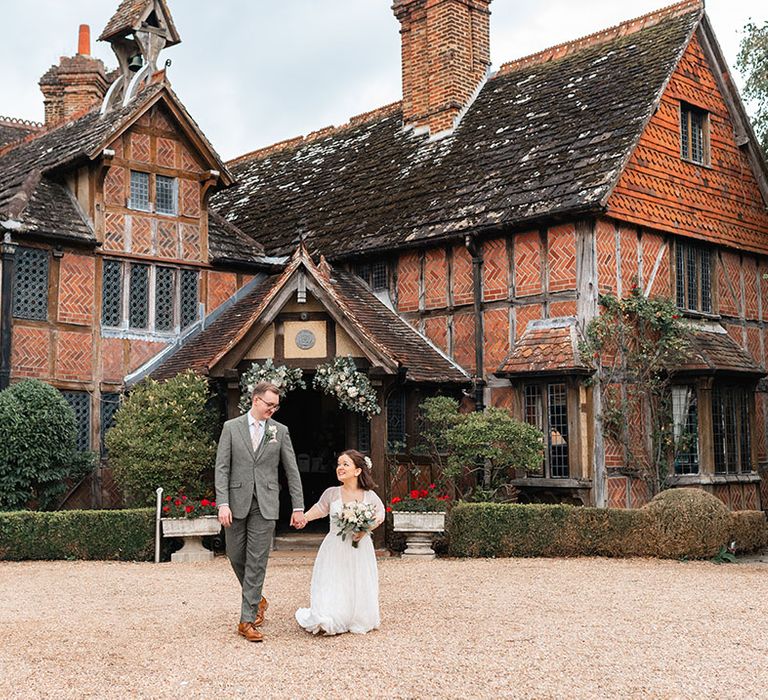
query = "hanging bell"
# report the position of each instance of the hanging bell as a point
(135, 63)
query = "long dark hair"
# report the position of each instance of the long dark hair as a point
(365, 477)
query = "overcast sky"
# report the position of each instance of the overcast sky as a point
(253, 72)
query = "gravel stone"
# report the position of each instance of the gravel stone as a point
(517, 628)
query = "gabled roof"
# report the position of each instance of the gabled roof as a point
(130, 15)
(12, 129)
(712, 351)
(388, 341)
(546, 347)
(30, 170)
(547, 136)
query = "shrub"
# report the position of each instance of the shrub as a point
(687, 522)
(163, 436)
(38, 451)
(126, 535)
(749, 530)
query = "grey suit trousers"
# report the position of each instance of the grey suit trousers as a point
(248, 542)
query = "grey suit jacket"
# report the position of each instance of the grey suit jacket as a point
(239, 471)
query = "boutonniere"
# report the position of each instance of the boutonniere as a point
(272, 433)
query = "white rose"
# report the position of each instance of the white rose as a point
(352, 391)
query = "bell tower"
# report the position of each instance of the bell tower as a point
(138, 32)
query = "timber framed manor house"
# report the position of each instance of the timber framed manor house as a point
(455, 242)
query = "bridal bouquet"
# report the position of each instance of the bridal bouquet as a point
(355, 517)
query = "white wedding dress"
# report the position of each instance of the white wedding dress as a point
(345, 581)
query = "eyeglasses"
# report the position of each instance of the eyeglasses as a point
(274, 407)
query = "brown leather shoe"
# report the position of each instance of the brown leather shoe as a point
(247, 630)
(262, 608)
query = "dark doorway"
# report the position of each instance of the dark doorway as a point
(317, 426)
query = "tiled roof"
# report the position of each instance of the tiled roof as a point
(543, 138)
(128, 17)
(712, 350)
(15, 129)
(546, 347)
(226, 242)
(381, 328)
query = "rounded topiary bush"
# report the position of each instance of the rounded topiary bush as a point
(687, 523)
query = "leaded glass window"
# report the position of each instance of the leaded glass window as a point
(80, 401)
(694, 134)
(189, 297)
(30, 284)
(109, 405)
(139, 190)
(112, 293)
(546, 407)
(379, 279)
(685, 423)
(693, 267)
(396, 431)
(731, 429)
(164, 298)
(363, 434)
(138, 300)
(166, 193)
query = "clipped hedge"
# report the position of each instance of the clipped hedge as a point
(126, 535)
(516, 530)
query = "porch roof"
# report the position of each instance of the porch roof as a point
(546, 347)
(712, 350)
(378, 329)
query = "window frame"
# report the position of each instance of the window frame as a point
(132, 203)
(686, 463)
(80, 402)
(688, 112)
(22, 308)
(690, 258)
(543, 411)
(729, 439)
(174, 193)
(180, 321)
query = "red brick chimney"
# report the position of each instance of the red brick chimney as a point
(445, 56)
(77, 84)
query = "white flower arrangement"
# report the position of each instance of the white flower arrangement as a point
(355, 517)
(282, 377)
(351, 388)
(272, 433)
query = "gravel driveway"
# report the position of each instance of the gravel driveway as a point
(543, 628)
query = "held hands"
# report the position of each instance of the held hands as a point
(225, 516)
(298, 520)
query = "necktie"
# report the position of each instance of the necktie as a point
(256, 435)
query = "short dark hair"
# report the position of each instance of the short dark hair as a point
(263, 387)
(365, 478)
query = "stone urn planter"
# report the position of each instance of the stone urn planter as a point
(192, 530)
(419, 529)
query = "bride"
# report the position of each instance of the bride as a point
(345, 582)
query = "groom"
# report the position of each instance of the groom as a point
(250, 449)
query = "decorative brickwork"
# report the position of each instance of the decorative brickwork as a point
(495, 270)
(639, 493)
(113, 359)
(562, 308)
(753, 345)
(31, 349)
(436, 329)
(168, 240)
(408, 265)
(464, 341)
(188, 161)
(141, 235)
(523, 314)
(605, 233)
(114, 186)
(77, 275)
(140, 147)
(660, 190)
(190, 242)
(503, 397)
(528, 264)
(189, 198)
(221, 286)
(751, 495)
(462, 276)
(166, 152)
(162, 121)
(660, 285)
(496, 338)
(561, 257)
(749, 270)
(142, 351)
(617, 492)
(760, 441)
(73, 356)
(629, 271)
(729, 284)
(435, 278)
(117, 147)
(114, 232)
(614, 453)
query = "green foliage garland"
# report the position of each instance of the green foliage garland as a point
(282, 377)
(351, 388)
